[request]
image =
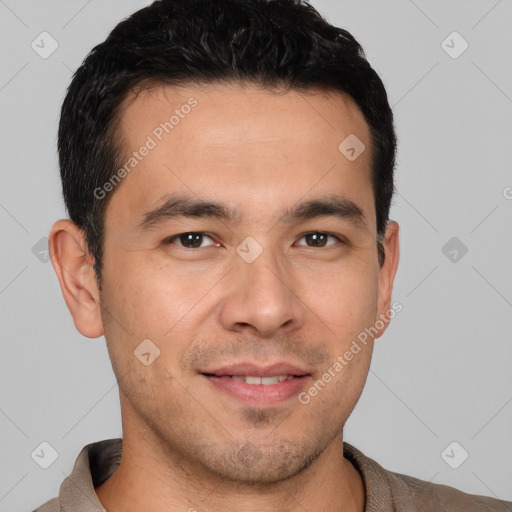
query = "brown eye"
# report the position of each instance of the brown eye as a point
(319, 239)
(192, 240)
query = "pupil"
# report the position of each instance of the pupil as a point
(315, 237)
(191, 239)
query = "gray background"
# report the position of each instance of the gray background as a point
(440, 374)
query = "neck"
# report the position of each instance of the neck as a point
(148, 479)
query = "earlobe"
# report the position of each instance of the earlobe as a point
(387, 274)
(75, 273)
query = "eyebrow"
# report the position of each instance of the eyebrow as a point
(184, 206)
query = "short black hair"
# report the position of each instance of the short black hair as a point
(270, 43)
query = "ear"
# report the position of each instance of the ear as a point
(387, 275)
(74, 269)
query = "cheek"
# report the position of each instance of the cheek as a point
(345, 299)
(156, 299)
(141, 305)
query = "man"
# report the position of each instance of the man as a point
(228, 171)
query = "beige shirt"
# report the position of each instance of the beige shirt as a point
(385, 491)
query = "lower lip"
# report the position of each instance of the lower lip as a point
(259, 394)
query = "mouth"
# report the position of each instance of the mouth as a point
(254, 380)
(257, 385)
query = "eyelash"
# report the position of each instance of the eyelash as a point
(168, 241)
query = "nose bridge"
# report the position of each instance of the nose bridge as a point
(266, 273)
(262, 294)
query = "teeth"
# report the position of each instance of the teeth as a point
(254, 380)
(266, 381)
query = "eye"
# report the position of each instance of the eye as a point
(191, 240)
(319, 239)
(194, 240)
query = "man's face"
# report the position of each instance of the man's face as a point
(256, 289)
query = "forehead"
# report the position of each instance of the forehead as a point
(241, 142)
(242, 102)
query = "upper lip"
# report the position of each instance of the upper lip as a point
(254, 370)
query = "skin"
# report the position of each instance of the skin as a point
(185, 443)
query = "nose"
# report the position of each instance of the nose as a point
(261, 298)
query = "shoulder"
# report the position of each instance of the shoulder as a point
(95, 463)
(396, 492)
(50, 506)
(448, 498)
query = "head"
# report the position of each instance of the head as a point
(226, 122)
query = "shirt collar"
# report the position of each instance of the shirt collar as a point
(95, 463)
